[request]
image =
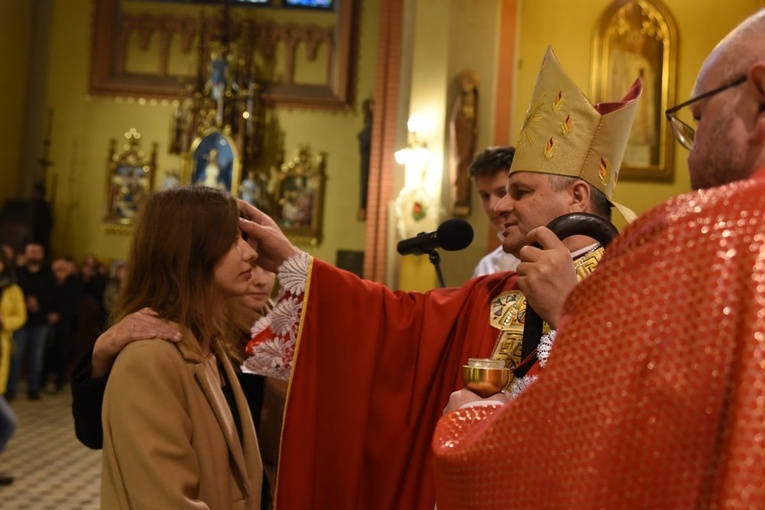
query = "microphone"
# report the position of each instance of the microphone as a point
(452, 235)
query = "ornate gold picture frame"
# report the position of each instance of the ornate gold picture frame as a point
(299, 196)
(638, 39)
(128, 182)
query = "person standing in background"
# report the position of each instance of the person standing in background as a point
(489, 169)
(39, 286)
(113, 287)
(93, 276)
(58, 353)
(13, 315)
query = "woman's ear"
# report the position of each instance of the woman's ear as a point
(580, 196)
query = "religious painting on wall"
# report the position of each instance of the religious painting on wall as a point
(638, 39)
(255, 189)
(215, 162)
(128, 182)
(299, 196)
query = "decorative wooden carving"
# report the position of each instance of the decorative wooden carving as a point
(154, 32)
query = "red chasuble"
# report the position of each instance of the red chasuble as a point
(654, 394)
(373, 371)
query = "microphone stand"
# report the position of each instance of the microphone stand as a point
(435, 259)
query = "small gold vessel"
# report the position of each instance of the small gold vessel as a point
(486, 376)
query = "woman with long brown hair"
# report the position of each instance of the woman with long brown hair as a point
(177, 430)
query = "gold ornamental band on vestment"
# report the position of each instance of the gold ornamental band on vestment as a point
(508, 312)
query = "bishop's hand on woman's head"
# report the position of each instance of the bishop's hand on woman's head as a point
(265, 236)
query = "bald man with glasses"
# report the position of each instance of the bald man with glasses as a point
(727, 144)
(654, 393)
(684, 133)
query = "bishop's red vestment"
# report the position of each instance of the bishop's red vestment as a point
(370, 373)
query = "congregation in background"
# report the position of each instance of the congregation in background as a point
(68, 304)
(51, 311)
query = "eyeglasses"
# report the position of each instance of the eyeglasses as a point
(684, 133)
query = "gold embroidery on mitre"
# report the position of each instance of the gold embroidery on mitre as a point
(604, 173)
(578, 147)
(557, 101)
(549, 148)
(532, 115)
(566, 125)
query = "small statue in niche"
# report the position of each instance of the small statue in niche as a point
(365, 143)
(219, 77)
(211, 176)
(463, 130)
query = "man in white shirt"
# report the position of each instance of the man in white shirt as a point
(489, 170)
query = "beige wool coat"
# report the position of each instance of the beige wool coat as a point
(170, 441)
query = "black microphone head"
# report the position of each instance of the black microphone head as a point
(454, 234)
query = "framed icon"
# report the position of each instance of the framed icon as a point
(255, 189)
(214, 161)
(128, 181)
(638, 39)
(299, 195)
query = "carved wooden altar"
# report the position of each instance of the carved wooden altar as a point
(166, 35)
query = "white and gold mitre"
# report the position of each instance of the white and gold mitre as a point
(565, 134)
